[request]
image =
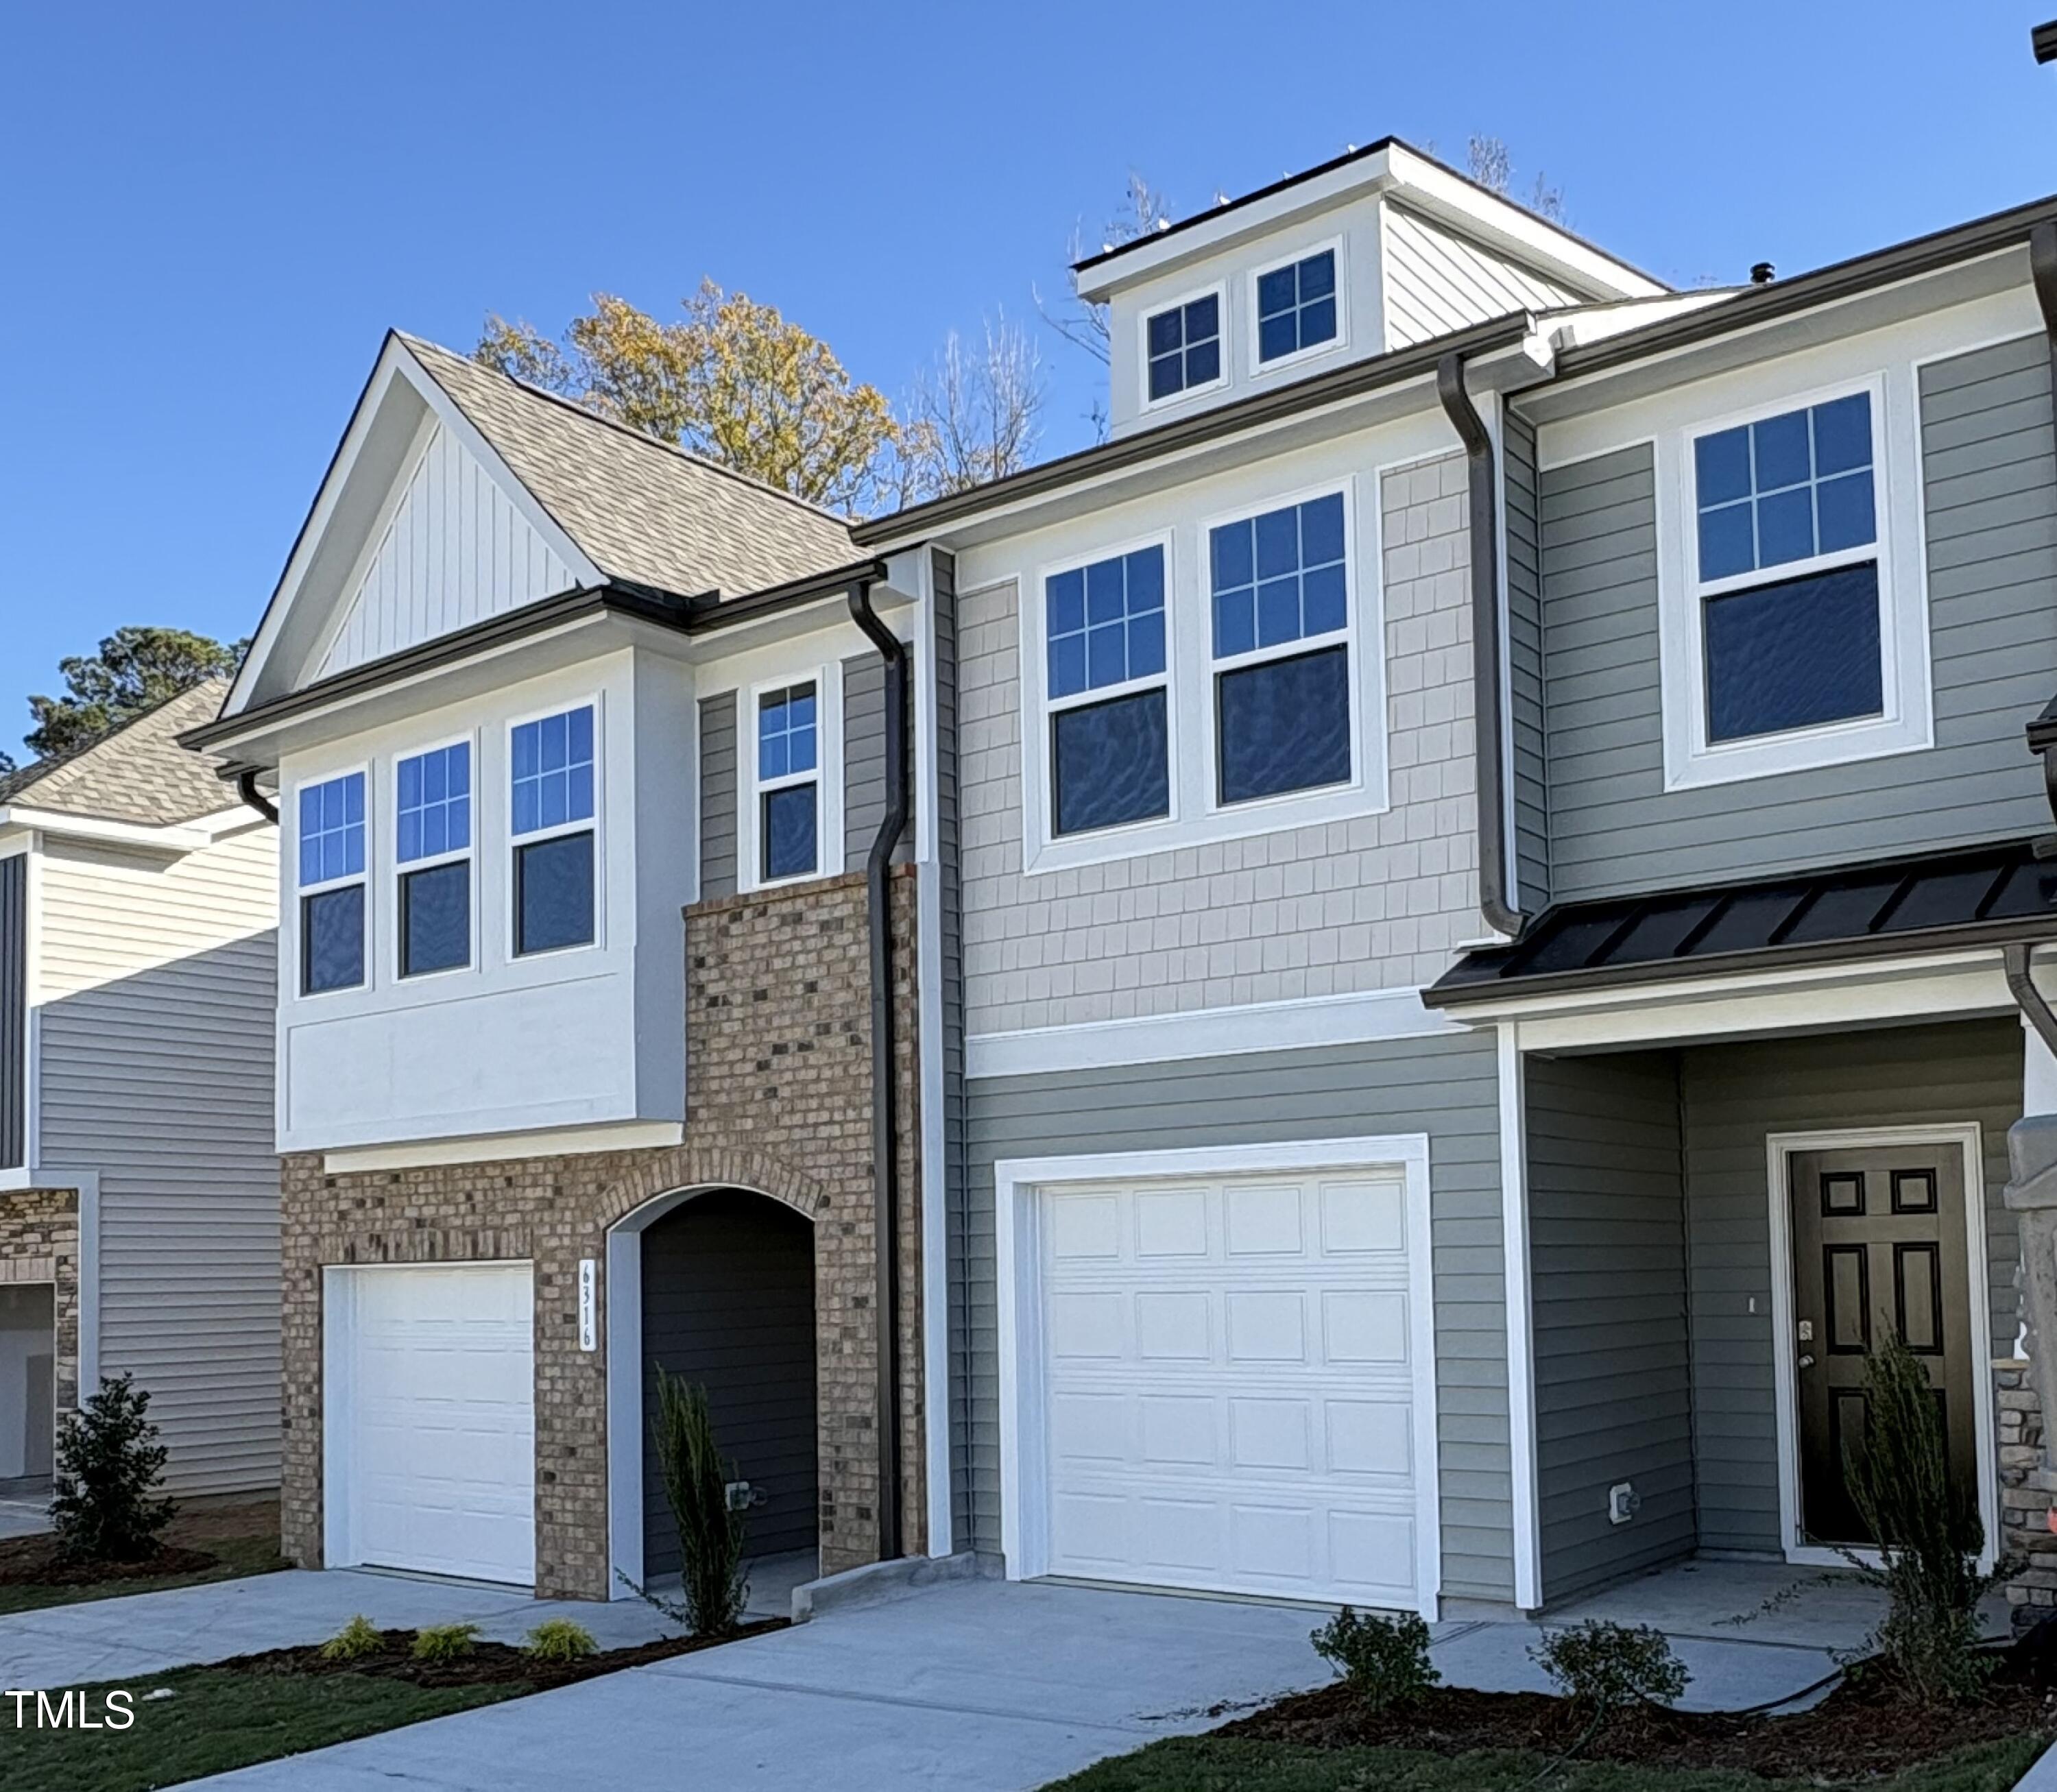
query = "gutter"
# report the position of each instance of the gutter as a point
(1489, 649)
(2021, 986)
(885, 1084)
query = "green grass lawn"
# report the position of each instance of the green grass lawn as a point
(217, 1719)
(1233, 1764)
(244, 1537)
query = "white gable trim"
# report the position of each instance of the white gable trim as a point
(396, 364)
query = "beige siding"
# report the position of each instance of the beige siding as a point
(1437, 281)
(1375, 902)
(156, 985)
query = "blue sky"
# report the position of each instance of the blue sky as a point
(213, 211)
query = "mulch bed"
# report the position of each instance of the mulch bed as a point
(487, 1663)
(1861, 1730)
(34, 1561)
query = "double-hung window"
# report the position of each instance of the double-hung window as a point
(1279, 587)
(432, 847)
(1296, 307)
(331, 884)
(1181, 347)
(789, 793)
(1786, 541)
(551, 807)
(1105, 686)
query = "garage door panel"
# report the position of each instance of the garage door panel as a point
(1230, 1385)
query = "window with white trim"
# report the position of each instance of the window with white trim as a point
(1107, 692)
(1787, 570)
(330, 818)
(432, 848)
(1183, 347)
(1279, 590)
(551, 811)
(1296, 307)
(789, 785)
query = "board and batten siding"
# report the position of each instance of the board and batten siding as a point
(1524, 655)
(156, 991)
(1733, 1096)
(455, 551)
(13, 1010)
(1989, 473)
(718, 776)
(1444, 1085)
(1607, 1229)
(1436, 282)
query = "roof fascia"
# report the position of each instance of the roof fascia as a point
(57, 824)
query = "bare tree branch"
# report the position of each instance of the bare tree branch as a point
(976, 416)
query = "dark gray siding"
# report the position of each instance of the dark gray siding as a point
(14, 1011)
(1735, 1094)
(864, 762)
(728, 1301)
(1445, 1086)
(1606, 1230)
(1989, 473)
(1524, 652)
(718, 795)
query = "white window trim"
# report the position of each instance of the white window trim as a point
(1144, 401)
(1907, 722)
(1038, 751)
(301, 892)
(595, 701)
(828, 775)
(1259, 367)
(1347, 637)
(403, 868)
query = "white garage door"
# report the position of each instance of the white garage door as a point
(1232, 1379)
(435, 1449)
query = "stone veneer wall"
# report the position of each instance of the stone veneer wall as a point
(39, 1243)
(778, 1099)
(2027, 1489)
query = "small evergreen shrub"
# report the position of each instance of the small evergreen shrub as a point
(1604, 1667)
(1927, 1528)
(355, 1640)
(561, 1639)
(109, 1464)
(697, 1482)
(1385, 1661)
(444, 1643)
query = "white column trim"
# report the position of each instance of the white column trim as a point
(1527, 1519)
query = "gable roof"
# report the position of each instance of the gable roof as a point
(640, 509)
(138, 773)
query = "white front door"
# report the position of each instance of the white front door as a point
(1232, 1371)
(432, 1454)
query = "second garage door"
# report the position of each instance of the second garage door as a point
(1233, 1377)
(434, 1455)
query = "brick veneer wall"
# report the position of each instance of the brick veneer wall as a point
(39, 1243)
(778, 1100)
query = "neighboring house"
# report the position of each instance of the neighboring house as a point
(1356, 1141)
(139, 1191)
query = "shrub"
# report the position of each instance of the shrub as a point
(561, 1639)
(1385, 1661)
(1927, 1528)
(1604, 1667)
(356, 1639)
(697, 1483)
(444, 1643)
(108, 1466)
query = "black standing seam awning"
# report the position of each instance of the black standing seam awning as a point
(1989, 895)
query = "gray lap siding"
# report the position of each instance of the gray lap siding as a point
(1446, 1087)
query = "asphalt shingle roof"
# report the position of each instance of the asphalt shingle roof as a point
(641, 509)
(139, 773)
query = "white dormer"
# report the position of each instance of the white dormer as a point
(1380, 250)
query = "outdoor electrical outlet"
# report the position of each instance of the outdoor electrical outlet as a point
(739, 1496)
(1623, 1502)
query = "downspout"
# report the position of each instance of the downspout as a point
(246, 788)
(884, 1107)
(1489, 650)
(2033, 1004)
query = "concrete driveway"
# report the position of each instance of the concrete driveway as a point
(978, 1687)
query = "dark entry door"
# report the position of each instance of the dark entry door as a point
(1878, 1246)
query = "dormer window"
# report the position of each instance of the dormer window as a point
(1183, 347)
(1296, 307)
